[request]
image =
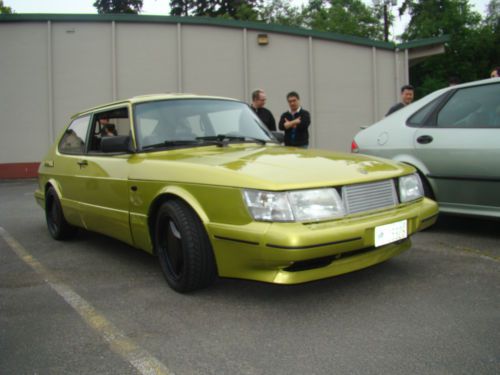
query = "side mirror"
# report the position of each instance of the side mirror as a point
(119, 143)
(279, 136)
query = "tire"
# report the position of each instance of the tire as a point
(183, 248)
(57, 225)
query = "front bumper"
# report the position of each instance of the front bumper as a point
(291, 253)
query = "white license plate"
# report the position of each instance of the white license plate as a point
(388, 233)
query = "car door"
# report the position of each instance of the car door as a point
(103, 179)
(460, 147)
(67, 167)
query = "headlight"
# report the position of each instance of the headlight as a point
(410, 188)
(268, 206)
(301, 205)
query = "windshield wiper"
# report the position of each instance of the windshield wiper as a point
(174, 143)
(223, 140)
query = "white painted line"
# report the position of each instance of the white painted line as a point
(144, 362)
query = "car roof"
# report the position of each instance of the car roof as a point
(148, 98)
(461, 85)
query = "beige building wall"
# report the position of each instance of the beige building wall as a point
(52, 68)
(146, 59)
(24, 102)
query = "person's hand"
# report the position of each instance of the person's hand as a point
(288, 124)
(292, 124)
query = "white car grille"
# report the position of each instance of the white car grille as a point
(371, 196)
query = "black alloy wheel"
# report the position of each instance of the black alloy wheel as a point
(57, 225)
(183, 247)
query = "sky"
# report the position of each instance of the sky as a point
(160, 7)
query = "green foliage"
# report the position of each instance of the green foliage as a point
(493, 16)
(432, 18)
(469, 55)
(492, 24)
(350, 17)
(282, 13)
(234, 9)
(118, 6)
(4, 9)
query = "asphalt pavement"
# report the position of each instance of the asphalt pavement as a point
(94, 305)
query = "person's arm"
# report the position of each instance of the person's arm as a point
(282, 122)
(304, 120)
(394, 108)
(272, 122)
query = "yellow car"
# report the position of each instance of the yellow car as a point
(201, 183)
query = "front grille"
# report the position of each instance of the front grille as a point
(371, 196)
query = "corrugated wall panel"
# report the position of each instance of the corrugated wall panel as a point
(24, 104)
(146, 59)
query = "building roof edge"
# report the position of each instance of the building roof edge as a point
(204, 21)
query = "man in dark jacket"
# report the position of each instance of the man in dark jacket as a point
(407, 93)
(265, 115)
(295, 122)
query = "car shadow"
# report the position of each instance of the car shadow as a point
(104, 252)
(376, 280)
(476, 226)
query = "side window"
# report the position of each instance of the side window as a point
(73, 140)
(420, 117)
(112, 123)
(472, 107)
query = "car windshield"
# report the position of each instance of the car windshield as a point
(191, 122)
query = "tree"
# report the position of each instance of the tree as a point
(350, 17)
(4, 9)
(118, 6)
(432, 18)
(181, 7)
(468, 53)
(282, 12)
(493, 15)
(235, 9)
(492, 24)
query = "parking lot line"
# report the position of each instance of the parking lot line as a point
(144, 362)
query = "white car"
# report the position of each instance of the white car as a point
(452, 137)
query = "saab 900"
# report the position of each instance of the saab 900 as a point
(201, 183)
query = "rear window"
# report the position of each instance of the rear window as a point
(73, 140)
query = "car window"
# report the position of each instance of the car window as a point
(422, 115)
(171, 121)
(472, 107)
(73, 140)
(110, 123)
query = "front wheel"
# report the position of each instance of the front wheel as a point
(427, 187)
(58, 227)
(183, 248)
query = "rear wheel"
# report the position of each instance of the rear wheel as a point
(183, 247)
(58, 227)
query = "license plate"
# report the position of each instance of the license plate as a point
(388, 233)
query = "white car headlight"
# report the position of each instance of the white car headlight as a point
(301, 205)
(410, 188)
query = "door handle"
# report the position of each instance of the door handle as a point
(425, 139)
(82, 163)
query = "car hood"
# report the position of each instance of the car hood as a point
(262, 167)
